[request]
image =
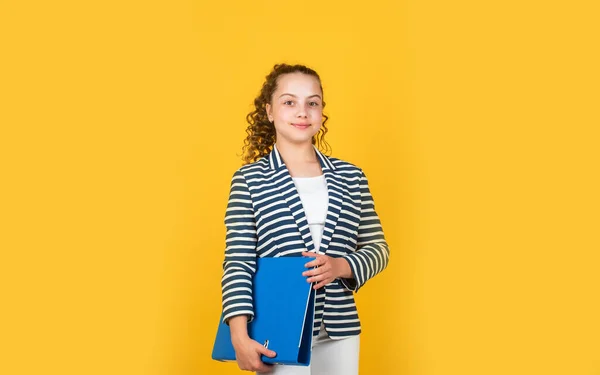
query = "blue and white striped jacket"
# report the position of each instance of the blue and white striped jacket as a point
(265, 218)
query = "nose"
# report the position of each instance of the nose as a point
(301, 111)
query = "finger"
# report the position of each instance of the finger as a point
(319, 269)
(322, 260)
(269, 353)
(319, 261)
(317, 278)
(313, 272)
(322, 284)
(313, 263)
(309, 254)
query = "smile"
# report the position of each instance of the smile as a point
(301, 126)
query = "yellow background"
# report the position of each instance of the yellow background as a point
(476, 122)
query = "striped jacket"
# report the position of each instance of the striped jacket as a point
(265, 218)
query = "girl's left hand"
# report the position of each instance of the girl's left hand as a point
(328, 269)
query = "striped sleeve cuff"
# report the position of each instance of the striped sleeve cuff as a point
(365, 263)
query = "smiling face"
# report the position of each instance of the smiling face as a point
(296, 108)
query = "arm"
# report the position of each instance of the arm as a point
(239, 268)
(372, 252)
(239, 265)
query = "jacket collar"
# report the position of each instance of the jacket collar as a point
(276, 161)
(335, 191)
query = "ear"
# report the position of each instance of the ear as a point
(269, 110)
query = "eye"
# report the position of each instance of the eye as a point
(314, 104)
(288, 101)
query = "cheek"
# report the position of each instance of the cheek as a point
(283, 112)
(317, 113)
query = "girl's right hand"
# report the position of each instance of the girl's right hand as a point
(247, 354)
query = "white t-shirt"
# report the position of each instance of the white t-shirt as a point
(314, 197)
(313, 194)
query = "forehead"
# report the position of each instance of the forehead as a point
(298, 84)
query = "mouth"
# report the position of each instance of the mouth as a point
(301, 126)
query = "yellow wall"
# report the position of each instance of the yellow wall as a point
(476, 122)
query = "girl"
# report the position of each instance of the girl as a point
(289, 199)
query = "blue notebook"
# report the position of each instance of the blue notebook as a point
(284, 307)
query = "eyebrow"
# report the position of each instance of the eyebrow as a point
(312, 96)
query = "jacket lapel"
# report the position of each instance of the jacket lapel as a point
(287, 189)
(336, 196)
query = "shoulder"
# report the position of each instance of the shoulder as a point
(261, 166)
(345, 167)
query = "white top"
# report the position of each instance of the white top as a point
(313, 194)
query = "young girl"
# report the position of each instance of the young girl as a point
(289, 199)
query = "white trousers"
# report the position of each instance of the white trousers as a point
(329, 357)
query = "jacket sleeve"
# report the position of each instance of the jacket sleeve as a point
(239, 264)
(372, 252)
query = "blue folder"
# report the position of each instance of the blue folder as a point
(284, 307)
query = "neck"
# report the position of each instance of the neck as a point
(296, 153)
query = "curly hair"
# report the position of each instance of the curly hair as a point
(261, 132)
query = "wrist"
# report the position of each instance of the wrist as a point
(238, 339)
(238, 329)
(344, 270)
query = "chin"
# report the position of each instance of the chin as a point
(296, 139)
